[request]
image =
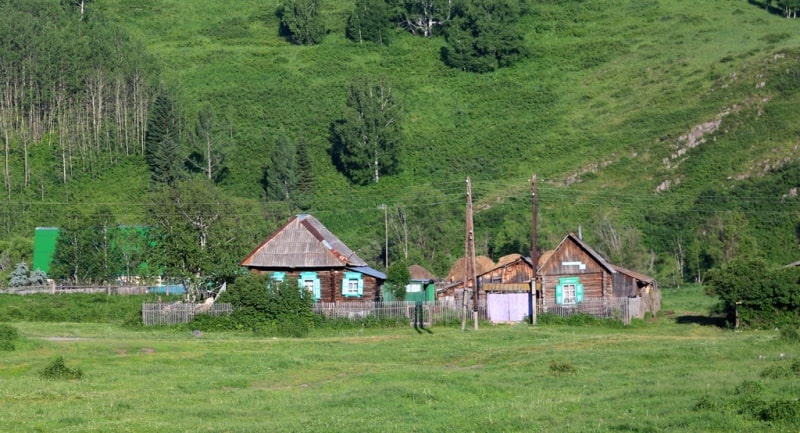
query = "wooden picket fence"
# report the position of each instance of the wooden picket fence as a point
(432, 312)
(58, 289)
(623, 309)
(179, 312)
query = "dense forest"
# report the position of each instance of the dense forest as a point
(180, 133)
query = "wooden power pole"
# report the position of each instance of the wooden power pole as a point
(534, 251)
(469, 264)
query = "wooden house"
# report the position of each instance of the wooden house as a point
(305, 250)
(573, 271)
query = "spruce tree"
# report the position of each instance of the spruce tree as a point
(162, 140)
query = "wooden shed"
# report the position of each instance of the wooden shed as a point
(574, 272)
(305, 250)
(507, 289)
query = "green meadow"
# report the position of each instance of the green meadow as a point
(676, 372)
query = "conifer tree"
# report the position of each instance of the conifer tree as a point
(162, 140)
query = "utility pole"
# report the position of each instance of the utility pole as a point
(385, 236)
(534, 250)
(469, 264)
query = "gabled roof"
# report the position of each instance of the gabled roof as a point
(592, 253)
(302, 243)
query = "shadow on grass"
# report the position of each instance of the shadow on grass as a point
(421, 328)
(701, 320)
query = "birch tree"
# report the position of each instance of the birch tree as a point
(366, 140)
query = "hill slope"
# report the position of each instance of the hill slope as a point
(630, 113)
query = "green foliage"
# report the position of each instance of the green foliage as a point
(208, 152)
(423, 17)
(281, 174)
(8, 337)
(781, 411)
(57, 370)
(484, 36)
(763, 297)
(782, 370)
(76, 307)
(87, 248)
(562, 368)
(261, 304)
(579, 319)
(398, 273)
(369, 22)
(165, 129)
(604, 147)
(194, 231)
(366, 141)
(301, 21)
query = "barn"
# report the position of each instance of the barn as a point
(574, 272)
(306, 251)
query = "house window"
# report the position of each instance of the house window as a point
(310, 282)
(414, 287)
(278, 276)
(352, 285)
(569, 291)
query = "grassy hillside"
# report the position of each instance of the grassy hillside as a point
(600, 112)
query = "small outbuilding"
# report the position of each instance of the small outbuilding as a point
(305, 250)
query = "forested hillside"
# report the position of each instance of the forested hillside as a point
(667, 133)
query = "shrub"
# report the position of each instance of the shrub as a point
(781, 410)
(749, 388)
(789, 333)
(782, 371)
(261, 304)
(761, 296)
(562, 368)
(8, 336)
(58, 370)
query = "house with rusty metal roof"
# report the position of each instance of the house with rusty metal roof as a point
(306, 251)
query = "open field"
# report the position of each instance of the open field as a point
(674, 373)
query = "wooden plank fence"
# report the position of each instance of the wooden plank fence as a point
(179, 312)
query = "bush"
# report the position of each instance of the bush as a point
(58, 370)
(781, 410)
(8, 336)
(562, 368)
(761, 296)
(266, 306)
(789, 333)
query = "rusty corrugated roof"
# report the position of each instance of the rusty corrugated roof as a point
(303, 242)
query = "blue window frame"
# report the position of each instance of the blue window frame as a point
(352, 285)
(310, 281)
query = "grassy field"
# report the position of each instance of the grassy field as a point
(672, 373)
